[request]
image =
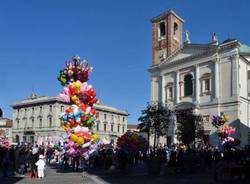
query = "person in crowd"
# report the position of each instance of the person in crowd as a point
(75, 163)
(123, 160)
(65, 161)
(40, 166)
(6, 162)
(49, 154)
(34, 159)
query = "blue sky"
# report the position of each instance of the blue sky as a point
(37, 36)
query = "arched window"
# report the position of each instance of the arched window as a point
(162, 29)
(188, 85)
(175, 29)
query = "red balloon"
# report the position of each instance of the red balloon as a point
(83, 107)
(72, 89)
(75, 69)
(85, 74)
(93, 111)
(84, 135)
(93, 101)
(68, 110)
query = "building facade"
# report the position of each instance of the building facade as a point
(6, 127)
(39, 117)
(213, 78)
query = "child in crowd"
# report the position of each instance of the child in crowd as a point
(40, 166)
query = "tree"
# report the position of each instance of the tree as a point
(189, 126)
(155, 120)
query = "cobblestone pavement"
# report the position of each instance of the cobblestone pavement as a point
(135, 175)
(138, 175)
(53, 176)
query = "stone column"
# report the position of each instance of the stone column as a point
(216, 78)
(177, 87)
(154, 89)
(197, 84)
(174, 135)
(235, 75)
(163, 85)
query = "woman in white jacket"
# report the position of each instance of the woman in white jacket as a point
(40, 166)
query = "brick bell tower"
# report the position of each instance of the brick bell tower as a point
(166, 35)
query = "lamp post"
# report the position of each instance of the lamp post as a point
(195, 111)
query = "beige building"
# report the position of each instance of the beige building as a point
(38, 117)
(214, 78)
(132, 127)
(6, 127)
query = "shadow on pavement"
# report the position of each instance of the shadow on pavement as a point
(138, 174)
(11, 180)
(61, 169)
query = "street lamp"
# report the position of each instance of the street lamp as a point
(196, 111)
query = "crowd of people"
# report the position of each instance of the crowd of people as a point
(28, 159)
(234, 162)
(231, 161)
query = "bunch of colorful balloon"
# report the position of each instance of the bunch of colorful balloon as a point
(132, 142)
(78, 120)
(224, 131)
(219, 121)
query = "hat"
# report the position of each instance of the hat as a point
(41, 157)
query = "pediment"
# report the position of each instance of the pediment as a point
(189, 51)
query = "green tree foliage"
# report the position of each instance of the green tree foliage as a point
(189, 126)
(155, 120)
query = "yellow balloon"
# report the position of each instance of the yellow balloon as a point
(77, 86)
(227, 117)
(80, 141)
(74, 99)
(74, 137)
(95, 137)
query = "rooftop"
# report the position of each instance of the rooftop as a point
(164, 14)
(35, 99)
(5, 122)
(132, 126)
(244, 49)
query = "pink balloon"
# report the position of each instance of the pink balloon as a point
(83, 87)
(71, 151)
(64, 96)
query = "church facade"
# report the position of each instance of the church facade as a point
(213, 78)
